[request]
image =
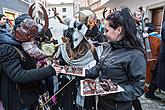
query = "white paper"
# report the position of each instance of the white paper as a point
(73, 70)
(93, 89)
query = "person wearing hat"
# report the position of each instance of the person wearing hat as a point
(19, 78)
(88, 17)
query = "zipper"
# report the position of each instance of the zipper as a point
(19, 93)
(116, 105)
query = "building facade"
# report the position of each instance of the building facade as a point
(97, 7)
(13, 8)
(154, 9)
(43, 2)
(65, 10)
(94, 5)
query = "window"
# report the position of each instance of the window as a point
(64, 16)
(26, 1)
(63, 9)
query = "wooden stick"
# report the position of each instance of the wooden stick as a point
(57, 92)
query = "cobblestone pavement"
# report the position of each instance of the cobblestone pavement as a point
(148, 104)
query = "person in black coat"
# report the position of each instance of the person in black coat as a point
(149, 26)
(160, 76)
(19, 78)
(88, 17)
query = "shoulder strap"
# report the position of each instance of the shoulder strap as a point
(20, 53)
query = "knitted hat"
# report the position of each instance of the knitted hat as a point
(25, 28)
(83, 15)
(19, 19)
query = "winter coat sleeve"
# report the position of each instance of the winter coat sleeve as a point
(163, 33)
(136, 72)
(11, 65)
(93, 72)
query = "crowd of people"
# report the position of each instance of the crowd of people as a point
(27, 70)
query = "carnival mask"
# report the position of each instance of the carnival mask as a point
(26, 30)
(76, 31)
(77, 38)
(3, 21)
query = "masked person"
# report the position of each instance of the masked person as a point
(88, 17)
(76, 51)
(123, 61)
(2, 22)
(20, 80)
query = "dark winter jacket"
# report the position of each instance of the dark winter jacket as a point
(150, 27)
(160, 73)
(94, 34)
(19, 78)
(126, 67)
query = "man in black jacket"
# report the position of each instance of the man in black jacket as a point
(161, 62)
(158, 78)
(149, 26)
(19, 76)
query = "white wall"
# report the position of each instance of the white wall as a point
(132, 4)
(99, 14)
(54, 25)
(68, 13)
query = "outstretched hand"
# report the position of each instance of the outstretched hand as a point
(104, 11)
(57, 68)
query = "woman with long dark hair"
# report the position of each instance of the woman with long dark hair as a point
(123, 61)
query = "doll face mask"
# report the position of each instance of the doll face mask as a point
(26, 31)
(3, 21)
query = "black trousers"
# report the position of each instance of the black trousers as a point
(32, 107)
(136, 104)
(108, 104)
